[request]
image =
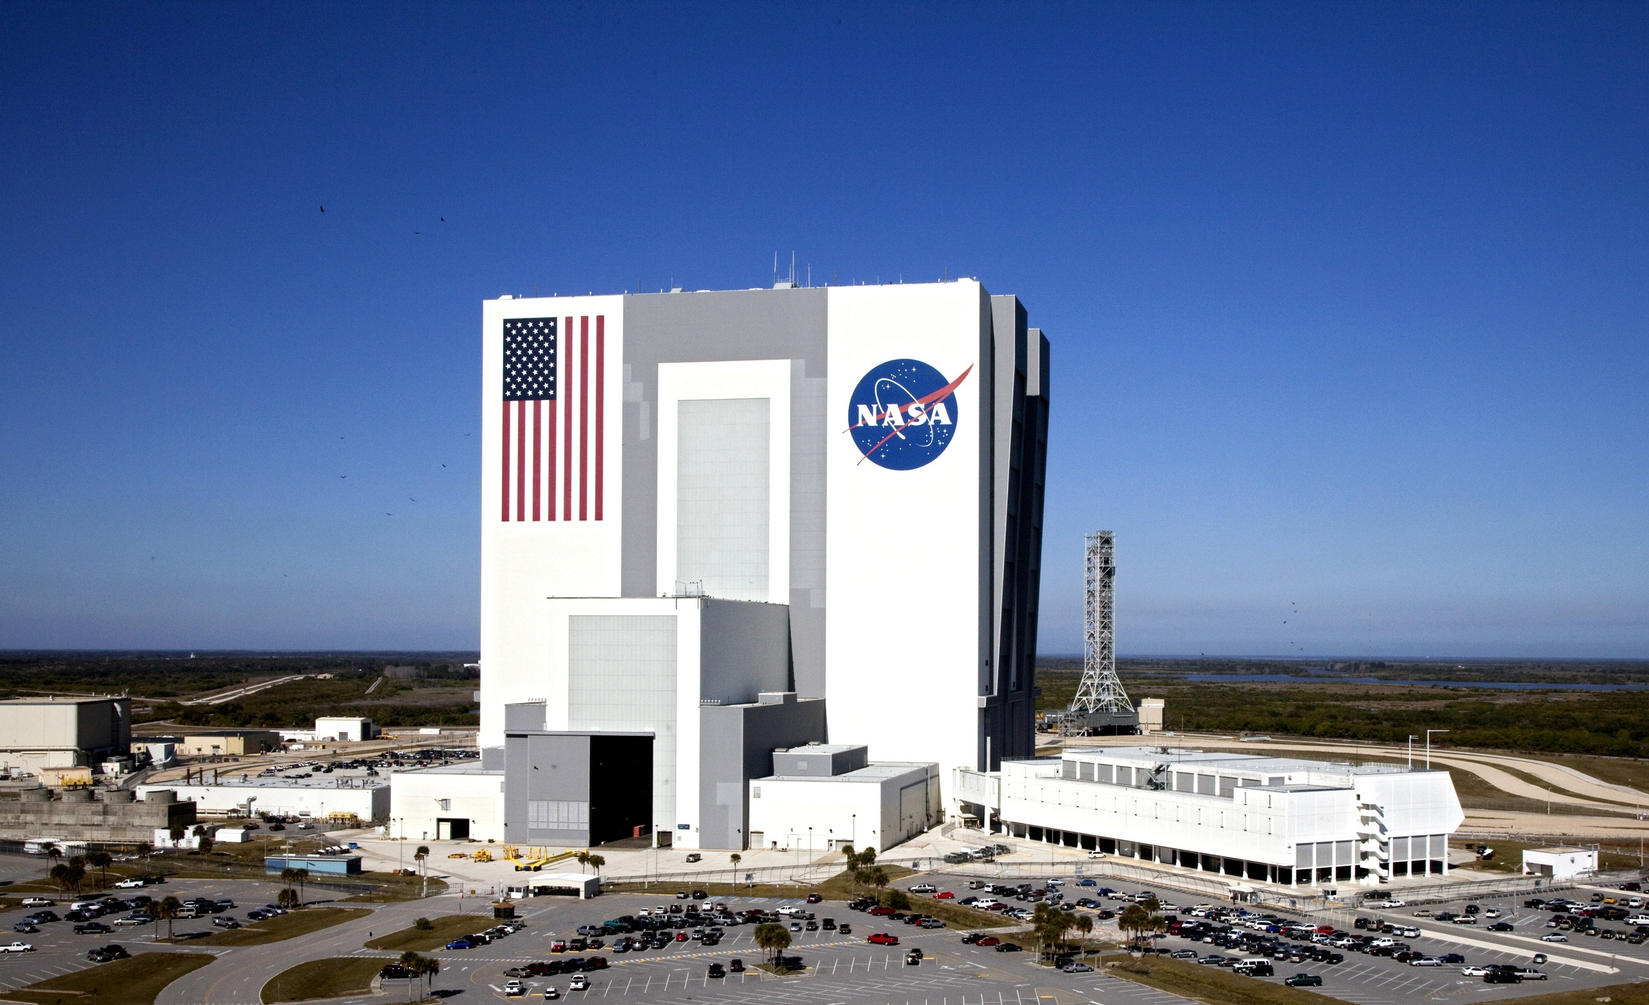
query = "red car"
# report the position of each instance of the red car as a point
(882, 911)
(884, 939)
(989, 940)
(944, 895)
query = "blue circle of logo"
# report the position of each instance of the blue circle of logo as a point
(903, 413)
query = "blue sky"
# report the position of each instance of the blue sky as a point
(1347, 301)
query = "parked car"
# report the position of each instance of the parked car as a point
(1303, 981)
(883, 939)
(1077, 968)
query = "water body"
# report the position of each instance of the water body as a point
(1322, 677)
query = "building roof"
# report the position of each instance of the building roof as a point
(63, 700)
(878, 771)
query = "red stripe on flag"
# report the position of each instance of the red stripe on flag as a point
(549, 465)
(504, 468)
(567, 433)
(600, 386)
(583, 410)
(537, 412)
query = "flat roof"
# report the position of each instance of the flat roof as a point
(876, 772)
(1184, 757)
(62, 700)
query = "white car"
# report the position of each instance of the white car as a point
(17, 947)
(578, 983)
(924, 888)
(38, 902)
(1554, 937)
(1394, 902)
(1473, 971)
(129, 884)
(1493, 912)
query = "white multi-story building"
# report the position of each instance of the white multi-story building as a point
(719, 523)
(1270, 819)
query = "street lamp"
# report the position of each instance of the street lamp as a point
(1411, 751)
(1428, 745)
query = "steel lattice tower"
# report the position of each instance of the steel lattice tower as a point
(1100, 690)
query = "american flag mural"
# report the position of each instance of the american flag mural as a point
(552, 398)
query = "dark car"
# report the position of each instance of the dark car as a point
(1009, 947)
(1501, 977)
(736, 966)
(1303, 981)
(92, 928)
(460, 944)
(716, 970)
(396, 972)
(1501, 926)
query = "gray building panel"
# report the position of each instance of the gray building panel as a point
(713, 327)
(737, 744)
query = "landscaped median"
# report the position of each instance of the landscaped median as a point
(286, 926)
(316, 979)
(135, 980)
(441, 930)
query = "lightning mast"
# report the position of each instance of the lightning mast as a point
(1100, 705)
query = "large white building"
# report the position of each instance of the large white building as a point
(719, 523)
(1270, 819)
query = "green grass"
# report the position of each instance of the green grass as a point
(334, 978)
(445, 928)
(287, 926)
(133, 981)
(837, 887)
(1214, 985)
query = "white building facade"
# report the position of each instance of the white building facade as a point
(1277, 820)
(843, 485)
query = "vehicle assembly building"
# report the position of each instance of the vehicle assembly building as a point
(720, 524)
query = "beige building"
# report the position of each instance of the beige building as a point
(230, 743)
(54, 732)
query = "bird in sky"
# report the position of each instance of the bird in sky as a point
(323, 209)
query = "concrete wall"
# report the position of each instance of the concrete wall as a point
(109, 817)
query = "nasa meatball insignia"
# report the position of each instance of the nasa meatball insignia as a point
(903, 413)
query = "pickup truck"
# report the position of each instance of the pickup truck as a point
(17, 947)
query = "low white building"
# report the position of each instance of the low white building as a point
(1559, 863)
(344, 727)
(453, 802)
(367, 799)
(822, 796)
(1269, 819)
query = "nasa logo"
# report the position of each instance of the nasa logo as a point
(903, 413)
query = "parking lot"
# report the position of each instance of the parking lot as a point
(847, 968)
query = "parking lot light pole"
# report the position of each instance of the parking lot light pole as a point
(1428, 745)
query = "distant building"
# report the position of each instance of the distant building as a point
(230, 743)
(1269, 819)
(343, 727)
(52, 732)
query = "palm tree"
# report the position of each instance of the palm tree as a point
(1085, 928)
(52, 851)
(60, 876)
(290, 875)
(145, 849)
(596, 862)
(878, 878)
(427, 967)
(772, 938)
(176, 833)
(734, 859)
(1133, 921)
(75, 873)
(420, 856)
(583, 859)
(100, 860)
(168, 908)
